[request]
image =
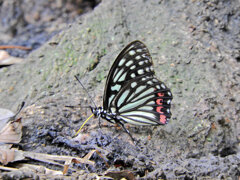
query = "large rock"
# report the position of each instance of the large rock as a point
(195, 50)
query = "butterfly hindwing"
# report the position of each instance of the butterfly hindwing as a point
(147, 102)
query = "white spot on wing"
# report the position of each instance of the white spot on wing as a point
(155, 80)
(122, 98)
(132, 105)
(122, 61)
(142, 113)
(150, 82)
(116, 87)
(133, 75)
(138, 120)
(140, 71)
(108, 118)
(116, 70)
(140, 88)
(163, 86)
(132, 46)
(138, 57)
(145, 93)
(132, 52)
(133, 84)
(169, 93)
(169, 101)
(122, 78)
(146, 108)
(110, 99)
(141, 63)
(133, 67)
(117, 75)
(113, 109)
(129, 63)
(150, 103)
(139, 50)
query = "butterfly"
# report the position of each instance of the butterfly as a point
(132, 92)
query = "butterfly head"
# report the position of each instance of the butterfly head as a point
(97, 111)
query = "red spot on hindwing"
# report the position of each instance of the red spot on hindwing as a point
(160, 94)
(159, 101)
(163, 119)
(158, 109)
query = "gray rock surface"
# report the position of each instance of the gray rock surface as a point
(196, 51)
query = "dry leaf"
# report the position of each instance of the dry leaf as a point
(89, 155)
(5, 116)
(66, 165)
(4, 168)
(6, 156)
(65, 169)
(10, 155)
(39, 169)
(6, 59)
(12, 132)
(83, 160)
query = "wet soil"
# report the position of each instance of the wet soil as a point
(196, 50)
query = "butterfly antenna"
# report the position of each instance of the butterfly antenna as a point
(85, 91)
(20, 108)
(12, 118)
(70, 106)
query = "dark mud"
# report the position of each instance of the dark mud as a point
(195, 50)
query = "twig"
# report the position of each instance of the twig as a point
(15, 47)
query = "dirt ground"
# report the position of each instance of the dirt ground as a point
(195, 46)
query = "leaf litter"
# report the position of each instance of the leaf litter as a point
(11, 134)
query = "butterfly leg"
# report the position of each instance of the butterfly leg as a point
(99, 122)
(99, 129)
(127, 131)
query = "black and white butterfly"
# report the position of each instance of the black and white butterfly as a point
(132, 93)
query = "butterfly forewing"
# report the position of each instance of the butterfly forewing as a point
(132, 91)
(132, 62)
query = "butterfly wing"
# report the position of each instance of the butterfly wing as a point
(143, 101)
(132, 91)
(135, 56)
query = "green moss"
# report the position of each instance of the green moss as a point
(209, 139)
(100, 76)
(103, 52)
(5, 69)
(45, 75)
(64, 61)
(49, 86)
(93, 63)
